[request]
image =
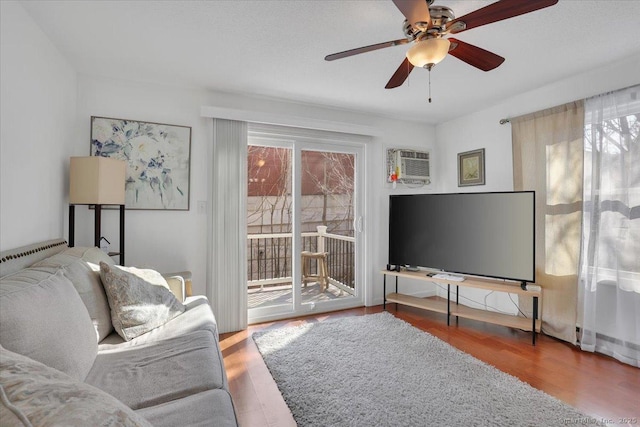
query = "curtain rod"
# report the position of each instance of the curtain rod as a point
(506, 120)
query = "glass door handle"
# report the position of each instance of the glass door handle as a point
(357, 224)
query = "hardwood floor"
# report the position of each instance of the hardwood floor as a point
(598, 386)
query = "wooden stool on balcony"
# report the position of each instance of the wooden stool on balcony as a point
(323, 271)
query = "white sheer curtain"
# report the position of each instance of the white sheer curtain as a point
(609, 275)
(227, 272)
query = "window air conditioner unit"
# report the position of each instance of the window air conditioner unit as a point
(412, 165)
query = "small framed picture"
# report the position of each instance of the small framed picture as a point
(471, 168)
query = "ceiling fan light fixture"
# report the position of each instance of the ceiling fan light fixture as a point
(428, 52)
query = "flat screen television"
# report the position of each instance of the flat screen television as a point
(482, 234)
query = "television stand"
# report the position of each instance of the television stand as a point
(446, 307)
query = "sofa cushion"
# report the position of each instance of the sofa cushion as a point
(43, 317)
(140, 300)
(212, 407)
(197, 317)
(80, 265)
(35, 394)
(92, 255)
(151, 374)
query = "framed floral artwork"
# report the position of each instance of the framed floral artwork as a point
(471, 168)
(157, 156)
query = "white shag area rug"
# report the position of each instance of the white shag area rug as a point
(377, 370)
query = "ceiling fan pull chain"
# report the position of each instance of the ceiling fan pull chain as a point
(429, 85)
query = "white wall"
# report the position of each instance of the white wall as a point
(37, 113)
(395, 135)
(482, 130)
(176, 240)
(163, 240)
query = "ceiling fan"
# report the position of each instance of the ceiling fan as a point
(426, 26)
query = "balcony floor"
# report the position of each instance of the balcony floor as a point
(279, 295)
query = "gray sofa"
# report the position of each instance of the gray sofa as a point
(62, 363)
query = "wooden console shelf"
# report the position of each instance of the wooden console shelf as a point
(455, 309)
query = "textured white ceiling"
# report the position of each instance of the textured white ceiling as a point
(277, 49)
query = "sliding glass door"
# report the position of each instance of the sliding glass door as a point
(304, 225)
(328, 225)
(269, 228)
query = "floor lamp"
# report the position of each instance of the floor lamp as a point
(97, 181)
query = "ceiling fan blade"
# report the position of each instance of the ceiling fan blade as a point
(415, 11)
(364, 49)
(475, 56)
(400, 75)
(503, 9)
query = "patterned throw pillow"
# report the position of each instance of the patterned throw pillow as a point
(33, 394)
(140, 300)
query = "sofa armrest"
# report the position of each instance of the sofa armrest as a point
(176, 285)
(186, 276)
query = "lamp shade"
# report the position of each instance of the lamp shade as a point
(428, 52)
(96, 181)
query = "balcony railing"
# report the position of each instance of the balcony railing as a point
(269, 258)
